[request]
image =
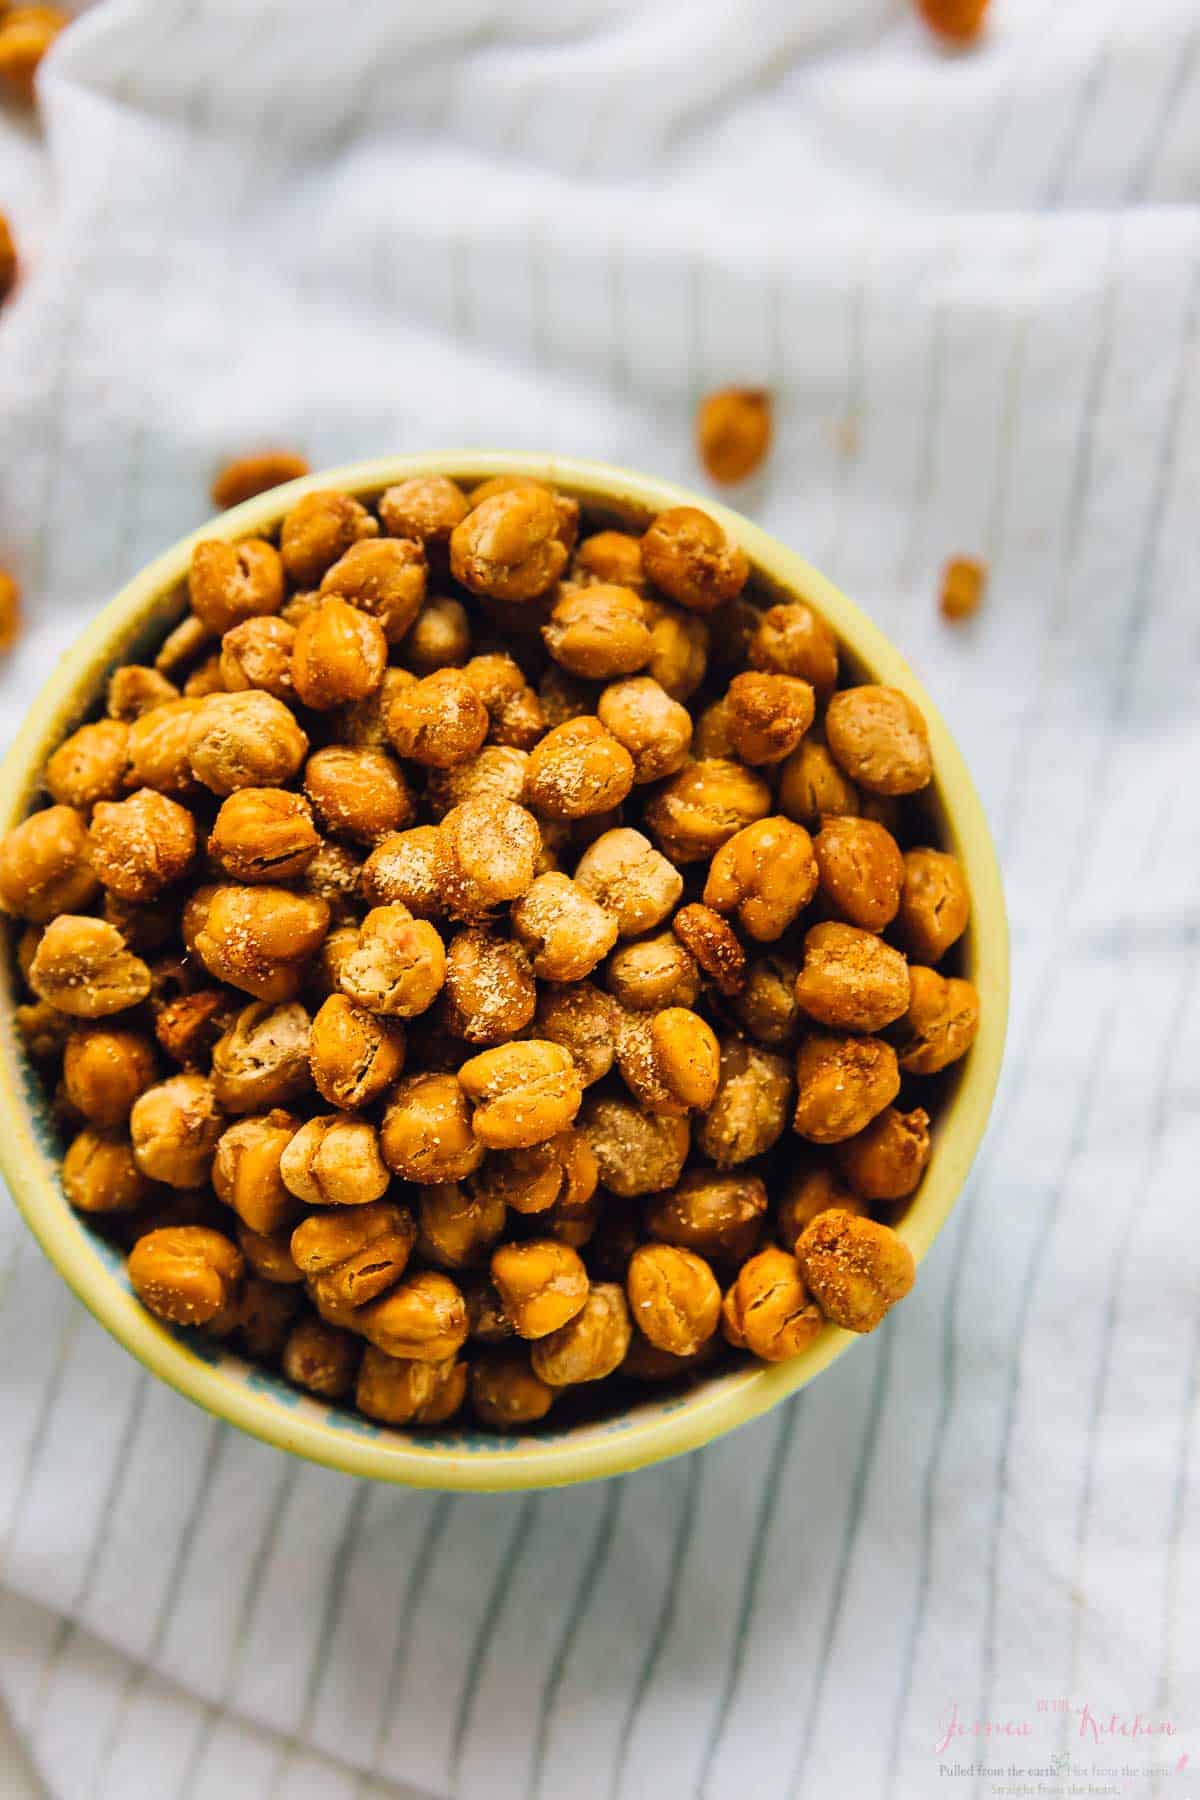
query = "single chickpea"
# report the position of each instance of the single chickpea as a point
(186, 1273)
(399, 965)
(652, 973)
(253, 474)
(426, 1134)
(405, 870)
(654, 729)
(321, 1359)
(105, 1068)
(792, 639)
(262, 1060)
(578, 769)
(509, 544)
(691, 560)
(205, 679)
(589, 1346)
(353, 1054)
(811, 1188)
(335, 876)
(426, 507)
(44, 865)
(842, 1083)
(339, 944)
(175, 1126)
(260, 939)
(673, 1297)
(496, 772)
(629, 878)
(768, 715)
(188, 1027)
(363, 723)
(488, 851)
(334, 1160)
(767, 1007)
(733, 432)
(90, 765)
(400, 1390)
(750, 1111)
(720, 1217)
(320, 528)
(879, 738)
(351, 1257)
(384, 577)
(566, 510)
(524, 1093)
(159, 747)
(359, 794)
(565, 932)
(851, 980)
(962, 585)
(855, 1268)
(440, 637)
(861, 871)
(490, 992)
(812, 788)
(935, 905)
(561, 1173)
(243, 740)
(258, 654)
(542, 1284)
(245, 1171)
(711, 943)
(141, 845)
(598, 631)
(135, 689)
(231, 582)
(768, 1310)
(100, 1175)
(458, 1230)
(264, 834)
(679, 645)
(581, 1018)
(669, 1060)
(888, 1159)
(183, 646)
(637, 1152)
(269, 1257)
(505, 1392)
(339, 655)
(515, 713)
(703, 806)
(83, 968)
(424, 1317)
(606, 557)
(439, 721)
(713, 737)
(940, 1025)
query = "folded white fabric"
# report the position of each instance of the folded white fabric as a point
(972, 282)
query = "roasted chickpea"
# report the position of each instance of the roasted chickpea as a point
(713, 737)
(424, 1317)
(426, 507)
(505, 1392)
(253, 474)
(44, 865)
(718, 1216)
(879, 738)
(182, 646)
(384, 577)
(141, 845)
(703, 806)
(591, 1344)
(630, 879)
(262, 1060)
(231, 582)
(598, 631)
(405, 870)
(792, 639)
(188, 1027)
(768, 1309)
(245, 1171)
(175, 1126)
(767, 1007)
(339, 655)
(935, 905)
(578, 769)
(563, 697)
(105, 1068)
(653, 973)
(768, 715)
(673, 1297)
(490, 989)
(458, 1229)
(811, 1188)
(940, 1025)
(334, 875)
(679, 643)
(159, 747)
(812, 788)
(637, 1152)
(321, 1358)
(203, 680)
(186, 1273)
(861, 871)
(509, 545)
(353, 1054)
(488, 851)
(542, 1284)
(83, 968)
(609, 556)
(264, 834)
(855, 1268)
(320, 528)
(351, 1256)
(334, 1160)
(439, 721)
(426, 1134)
(359, 794)
(402, 1390)
(581, 1019)
(242, 740)
(90, 765)
(270, 1257)
(842, 1083)
(713, 946)
(851, 980)
(560, 1174)
(135, 689)
(524, 1093)
(101, 1175)
(654, 729)
(259, 939)
(362, 725)
(888, 1159)
(515, 714)
(440, 637)
(398, 966)
(751, 1106)
(669, 1060)
(690, 559)
(497, 772)
(565, 932)
(733, 432)
(258, 654)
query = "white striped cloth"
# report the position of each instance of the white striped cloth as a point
(972, 283)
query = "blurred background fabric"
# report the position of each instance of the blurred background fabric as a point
(972, 283)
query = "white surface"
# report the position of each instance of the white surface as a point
(972, 283)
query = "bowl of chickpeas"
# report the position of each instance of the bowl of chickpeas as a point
(506, 970)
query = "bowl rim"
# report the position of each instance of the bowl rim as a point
(587, 1452)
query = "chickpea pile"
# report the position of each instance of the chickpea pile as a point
(481, 961)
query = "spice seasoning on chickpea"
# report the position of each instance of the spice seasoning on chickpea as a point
(691, 560)
(384, 577)
(851, 980)
(855, 1268)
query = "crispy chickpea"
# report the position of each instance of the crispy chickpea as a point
(718, 1216)
(673, 1297)
(105, 1068)
(185, 1273)
(159, 746)
(359, 794)
(855, 1268)
(490, 990)
(90, 765)
(811, 1188)
(135, 689)
(861, 871)
(231, 582)
(402, 1390)
(679, 644)
(768, 1310)
(505, 1392)
(580, 1018)
(768, 715)
(439, 721)
(562, 697)
(262, 1060)
(812, 788)
(83, 968)
(253, 474)
(578, 769)
(182, 646)
(270, 1257)
(670, 1060)
(424, 1317)
(509, 544)
(609, 556)
(141, 845)
(440, 636)
(426, 1134)
(879, 738)
(458, 1229)
(175, 1126)
(258, 654)
(405, 870)
(339, 655)
(589, 1346)
(712, 944)
(751, 1107)
(384, 577)
(690, 559)
(496, 772)
(398, 966)
(733, 432)
(259, 939)
(713, 735)
(524, 1093)
(888, 1159)
(629, 878)
(940, 1024)
(320, 528)
(427, 507)
(792, 639)
(935, 905)
(488, 851)
(44, 865)
(851, 980)
(188, 1027)
(962, 585)
(566, 510)
(264, 834)
(334, 1160)
(560, 1173)
(334, 875)
(353, 1054)
(321, 1359)
(243, 740)
(565, 932)
(654, 729)
(637, 1152)
(598, 631)
(100, 1174)
(703, 806)
(205, 679)
(652, 973)
(349, 1257)
(245, 1171)
(515, 714)
(542, 1284)
(767, 1007)
(842, 1083)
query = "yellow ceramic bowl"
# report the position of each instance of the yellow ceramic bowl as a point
(128, 629)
